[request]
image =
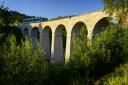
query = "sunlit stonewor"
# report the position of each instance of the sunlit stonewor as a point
(56, 36)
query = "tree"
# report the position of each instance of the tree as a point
(118, 8)
(10, 17)
(80, 45)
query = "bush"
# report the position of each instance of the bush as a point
(20, 65)
(118, 77)
(106, 52)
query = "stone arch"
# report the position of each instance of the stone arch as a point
(26, 32)
(60, 43)
(35, 34)
(46, 41)
(75, 33)
(100, 26)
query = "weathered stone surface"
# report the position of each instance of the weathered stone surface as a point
(90, 20)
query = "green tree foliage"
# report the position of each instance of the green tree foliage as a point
(20, 66)
(9, 17)
(118, 77)
(6, 31)
(118, 8)
(80, 46)
(8, 21)
(108, 50)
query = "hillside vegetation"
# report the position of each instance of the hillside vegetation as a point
(104, 62)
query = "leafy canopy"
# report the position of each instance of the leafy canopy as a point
(118, 8)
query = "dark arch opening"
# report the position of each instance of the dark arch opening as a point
(60, 43)
(35, 36)
(46, 42)
(100, 26)
(78, 28)
(25, 32)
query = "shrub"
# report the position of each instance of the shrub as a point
(118, 77)
(20, 65)
(105, 53)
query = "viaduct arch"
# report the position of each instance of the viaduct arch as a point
(46, 41)
(56, 36)
(35, 36)
(75, 33)
(25, 32)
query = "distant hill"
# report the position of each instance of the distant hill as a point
(9, 20)
(10, 17)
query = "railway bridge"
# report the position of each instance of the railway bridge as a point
(56, 36)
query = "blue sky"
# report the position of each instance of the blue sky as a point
(53, 8)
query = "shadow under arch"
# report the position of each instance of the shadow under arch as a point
(35, 34)
(25, 32)
(60, 43)
(100, 26)
(78, 28)
(46, 42)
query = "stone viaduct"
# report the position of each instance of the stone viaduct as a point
(56, 36)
